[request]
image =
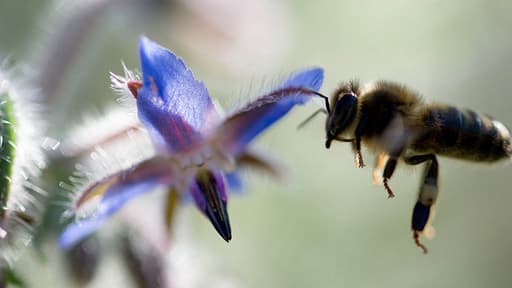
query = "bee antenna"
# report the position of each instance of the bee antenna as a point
(303, 123)
(326, 99)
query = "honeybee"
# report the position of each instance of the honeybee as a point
(395, 123)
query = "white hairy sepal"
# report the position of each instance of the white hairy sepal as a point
(100, 154)
(22, 206)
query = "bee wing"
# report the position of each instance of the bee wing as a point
(396, 136)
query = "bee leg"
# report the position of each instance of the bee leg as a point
(356, 146)
(388, 172)
(394, 146)
(426, 197)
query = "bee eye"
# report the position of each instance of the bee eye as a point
(345, 109)
(347, 100)
(343, 114)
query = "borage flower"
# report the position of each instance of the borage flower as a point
(196, 150)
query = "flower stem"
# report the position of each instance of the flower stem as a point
(7, 148)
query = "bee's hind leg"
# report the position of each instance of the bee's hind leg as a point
(427, 196)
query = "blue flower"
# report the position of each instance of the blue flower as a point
(198, 152)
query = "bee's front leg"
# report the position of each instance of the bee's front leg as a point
(356, 146)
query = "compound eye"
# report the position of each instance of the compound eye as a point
(345, 109)
(347, 100)
(344, 113)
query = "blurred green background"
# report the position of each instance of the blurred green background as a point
(328, 225)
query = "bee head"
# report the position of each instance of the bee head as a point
(343, 113)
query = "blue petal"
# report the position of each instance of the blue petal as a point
(77, 231)
(244, 125)
(168, 132)
(171, 102)
(118, 189)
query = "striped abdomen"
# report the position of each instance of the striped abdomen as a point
(462, 134)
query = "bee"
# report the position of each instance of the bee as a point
(394, 122)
